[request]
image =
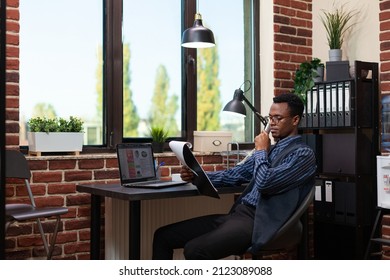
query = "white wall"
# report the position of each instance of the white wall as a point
(266, 55)
(362, 43)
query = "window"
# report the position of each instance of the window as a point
(151, 67)
(60, 52)
(119, 65)
(226, 67)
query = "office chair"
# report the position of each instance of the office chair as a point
(290, 234)
(16, 166)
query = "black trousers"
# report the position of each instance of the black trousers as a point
(207, 237)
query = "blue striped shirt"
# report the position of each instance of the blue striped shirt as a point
(293, 171)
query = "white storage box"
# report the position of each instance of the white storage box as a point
(211, 141)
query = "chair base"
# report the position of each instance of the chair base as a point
(48, 248)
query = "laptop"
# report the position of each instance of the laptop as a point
(137, 167)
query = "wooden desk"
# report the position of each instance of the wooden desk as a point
(134, 195)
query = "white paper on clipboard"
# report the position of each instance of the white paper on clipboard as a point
(177, 147)
(186, 157)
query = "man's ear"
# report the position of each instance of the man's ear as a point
(296, 120)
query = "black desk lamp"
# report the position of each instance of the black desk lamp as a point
(236, 105)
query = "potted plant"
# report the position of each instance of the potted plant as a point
(336, 23)
(159, 135)
(308, 73)
(55, 135)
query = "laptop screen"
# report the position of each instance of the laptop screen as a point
(136, 162)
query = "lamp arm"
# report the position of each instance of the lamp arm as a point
(261, 118)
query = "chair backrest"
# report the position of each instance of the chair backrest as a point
(290, 233)
(16, 166)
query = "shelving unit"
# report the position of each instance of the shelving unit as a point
(341, 125)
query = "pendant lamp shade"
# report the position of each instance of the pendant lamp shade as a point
(198, 36)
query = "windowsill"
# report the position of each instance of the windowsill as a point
(71, 156)
(108, 155)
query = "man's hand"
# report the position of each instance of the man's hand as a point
(262, 141)
(186, 174)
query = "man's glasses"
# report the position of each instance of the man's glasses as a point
(276, 119)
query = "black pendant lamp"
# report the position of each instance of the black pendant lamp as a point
(198, 36)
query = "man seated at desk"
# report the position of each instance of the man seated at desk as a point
(284, 172)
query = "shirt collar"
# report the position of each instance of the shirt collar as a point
(283, 143)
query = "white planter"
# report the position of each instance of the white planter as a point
(55, 141)
(335, 54)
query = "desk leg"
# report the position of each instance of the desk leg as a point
(95, 227)
(135, 228)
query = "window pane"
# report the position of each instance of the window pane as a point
(60, 62)
(221, 70)
(152, 69)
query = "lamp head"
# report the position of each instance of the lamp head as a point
(198, 36)
(236, 105)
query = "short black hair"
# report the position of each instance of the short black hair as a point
(294, 102)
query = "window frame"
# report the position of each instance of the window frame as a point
(113, 76)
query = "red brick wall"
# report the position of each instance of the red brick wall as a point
(292, 40)
(12, 73)
(54, 180)
(292, 46)
(384, 71)
(384, 38)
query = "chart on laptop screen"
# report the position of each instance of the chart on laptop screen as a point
(138, 162)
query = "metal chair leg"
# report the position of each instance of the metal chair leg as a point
(7, 224)
(53, 238)
(49, 250)
(43, 236)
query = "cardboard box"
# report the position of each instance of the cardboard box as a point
(211, 141)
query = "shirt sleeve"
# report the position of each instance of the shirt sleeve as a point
(238, 174)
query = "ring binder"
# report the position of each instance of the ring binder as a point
(329, 104)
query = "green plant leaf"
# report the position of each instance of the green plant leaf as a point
(336, 23)
(303, 80)
(39, 124)
(158, 134)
